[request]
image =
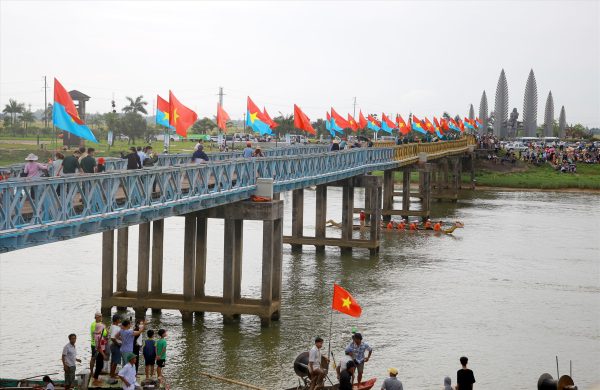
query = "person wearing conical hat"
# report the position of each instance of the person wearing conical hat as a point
(32, 167)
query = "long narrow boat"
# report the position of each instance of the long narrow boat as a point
(23, 384)
(365, 385)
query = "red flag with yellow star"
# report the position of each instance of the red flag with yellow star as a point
(344, 303)
(180, 117)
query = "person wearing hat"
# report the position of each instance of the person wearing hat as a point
(247, 153)
(346, 376)
(392, 383)
(357, 347)
(32, 167)
(427, 224)
(127, 374)
(335, 145)
(258, 152)
(402, 225)
(96, 328)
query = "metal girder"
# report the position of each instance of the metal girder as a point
(41, 210)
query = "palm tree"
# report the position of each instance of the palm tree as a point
(13, 108)
(27, 118)
(136, 106)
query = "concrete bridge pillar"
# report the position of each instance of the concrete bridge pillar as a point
(321, 215)
(347, 214)
(388, 193)
(297, 216)
(194, 299)
(425, 189)
(406, 173)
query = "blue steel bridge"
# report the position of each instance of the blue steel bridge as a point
(43, 210)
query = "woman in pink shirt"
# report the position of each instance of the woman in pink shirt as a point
(32, 167)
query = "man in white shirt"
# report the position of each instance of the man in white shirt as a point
(317, 373)
(343, 363)
(69, 360)
(115, 345)
(127, 374)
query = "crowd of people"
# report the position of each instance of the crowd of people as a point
(352, 364)
(117, 345)
(563, 159)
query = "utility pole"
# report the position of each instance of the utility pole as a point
(45, 110)
(354, 113)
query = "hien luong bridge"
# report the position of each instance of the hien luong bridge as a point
(43, 210)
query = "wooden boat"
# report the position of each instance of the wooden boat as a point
(23, 384)
(365, 385)
(384, 229)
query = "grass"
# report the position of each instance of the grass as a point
(543, 177)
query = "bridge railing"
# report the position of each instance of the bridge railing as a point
(165, 160)
(51, 203)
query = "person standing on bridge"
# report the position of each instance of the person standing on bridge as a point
(133, 160)
(88, 163)
(32, 167)
(247, 153)
(200, 156)
(70, 164)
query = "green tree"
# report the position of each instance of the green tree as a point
(133, 125)
(27, 117)
(203, 126)
(286, 124)
(136, 106)
(578, 131)
(13, 108)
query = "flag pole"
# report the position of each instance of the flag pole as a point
(330, 328)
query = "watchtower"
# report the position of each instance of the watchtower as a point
(79, 98)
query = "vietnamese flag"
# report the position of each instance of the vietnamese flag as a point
(222, 118)
(180, 117)
(429, 126)
(352, 123)
(344, 303)
(302, 122)
(404, 129)
(362, 121)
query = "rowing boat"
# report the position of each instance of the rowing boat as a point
(365, 385)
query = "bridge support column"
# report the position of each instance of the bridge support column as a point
(108, 247)
(406, 173)
(143, 266)
(425, 189)
(122, 259)
(321, 214)
(297, 216)
(158, 229)
(194, 299)
(373, 194)
(388, 193)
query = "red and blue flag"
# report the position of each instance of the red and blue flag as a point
(65, 115)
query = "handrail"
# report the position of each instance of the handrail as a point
(30, 205)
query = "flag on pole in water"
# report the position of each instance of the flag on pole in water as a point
(222, 117)
(65, 115)
(386, 124)
(344, 303)
(362, 122)
(162, 112)
(302, 122)
(180, 117)
(256, 120)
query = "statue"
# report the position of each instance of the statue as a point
(513, 123)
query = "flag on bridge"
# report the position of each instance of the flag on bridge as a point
(402, 126)
(256, 120)
(222, 117)
(373, 123)
(162, 112)
(362, 122)
(302, 122)
(65, 115)
(352, 122)
(180, 117)
(339, 121)
(417, 125)
(429, 126)
(344, 303)
(386, 124)
(272, 124)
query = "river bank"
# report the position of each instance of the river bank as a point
(530, 177)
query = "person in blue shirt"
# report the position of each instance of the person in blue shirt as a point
(248, 151)
(357, 348)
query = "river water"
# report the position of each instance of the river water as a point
(517, 286)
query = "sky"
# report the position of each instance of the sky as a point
(424, 57)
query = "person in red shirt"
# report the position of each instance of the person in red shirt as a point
(413, 226)
(362, 217)
(390, 225)
(402, 225)
(438, 226)
(427, 224)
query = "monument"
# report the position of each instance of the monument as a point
(562, 123)
(501, 107)
(549, 116)
(483, 114)
(530, 106)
